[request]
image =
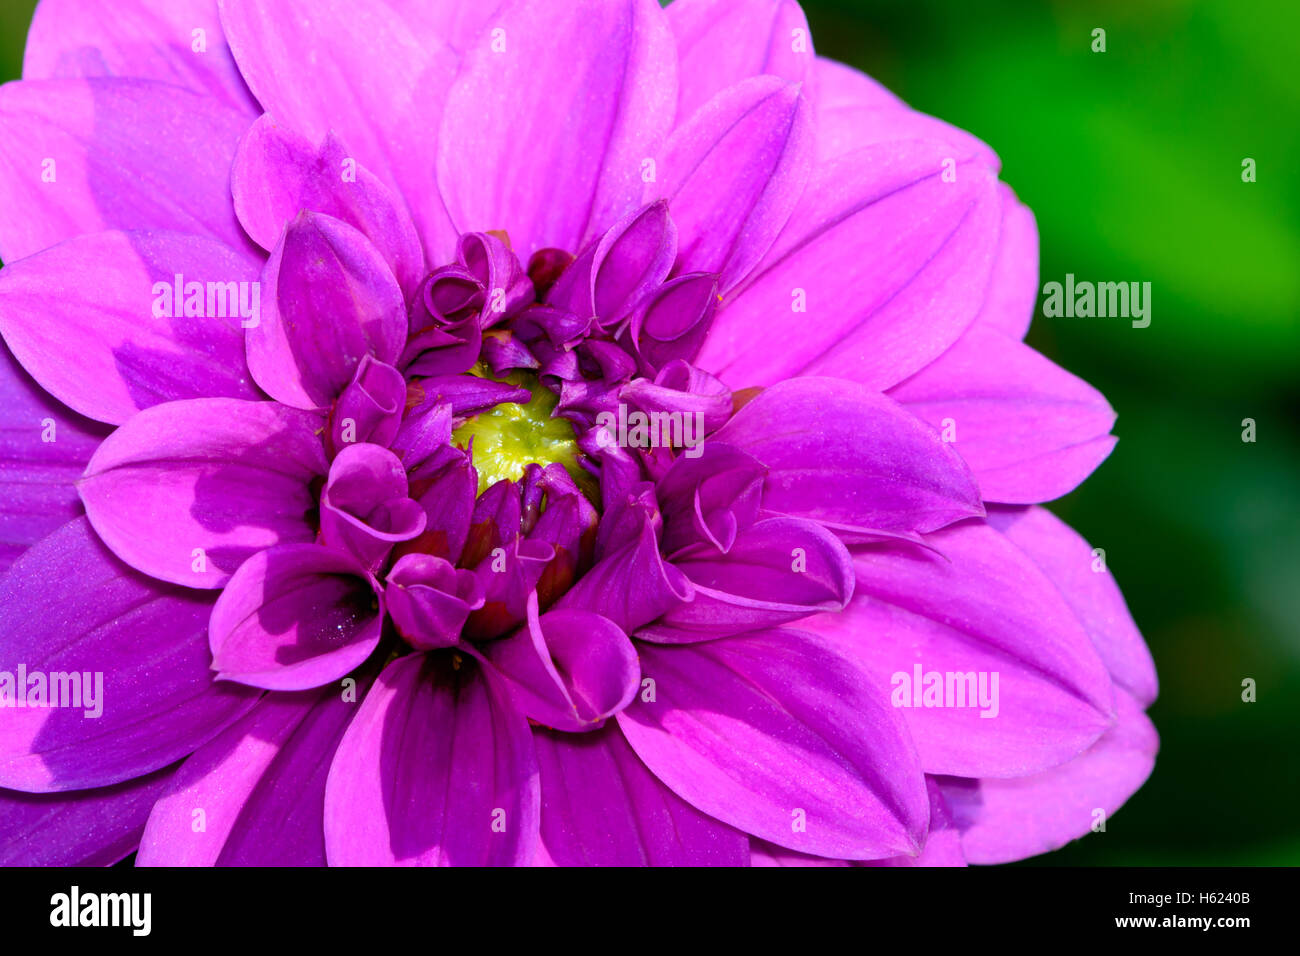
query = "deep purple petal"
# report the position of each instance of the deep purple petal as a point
(777, 571)
(71, 607)
(294, 617)
(602, 807)
(44, 447)
(852, 459)
(330, 299)
(429, 600)
(437, 768)
(188, 490)
(81, 828)
(778, 735)
(568, 669)
(260, 785)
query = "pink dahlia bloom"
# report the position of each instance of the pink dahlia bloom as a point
(568, 431)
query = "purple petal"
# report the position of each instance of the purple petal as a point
(763, 853)
(590, 86)
(677, 320)
(128, 154)
(1012, 294)
(781, 737)
(1072, 565)
(632, 260)
(942, 843)
(357, 68)
(1029, 430)
(371, 407)
(632, 586)
(721, 42)
(568, 669)
(777, 571)
(260, 785)
(154, 39)
(86, 613)
(44, 447)
(188, 490)
(115, 322)
(1005, 820)
(295, 617)
(710, 498)
(83, 828)
(437, 769)
(978, 607)
(330, 300)
(852, 459)
(447, 497)
(429, 600)
(277, 173)
(364, 509)
(853, 111)
(876, 320)
(733, 174)
(602, 807)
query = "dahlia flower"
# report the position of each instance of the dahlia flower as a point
(554, 432)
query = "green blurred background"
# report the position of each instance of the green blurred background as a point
(1131, 159)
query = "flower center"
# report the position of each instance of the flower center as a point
(510, 436)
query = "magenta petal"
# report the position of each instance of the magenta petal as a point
(851, 459)
(783, 738)
(84, 611)
(429, 600)
(188, 490)
(437, 768)
(777, 571)
(568, 669)
(278, 173)
(978, 606)
(44, 447)
(330, 300)
(1004, 820)
(153, 40)
(942, 843)
(364, 509)
(590, 86)
(876, 320)
(721, 42)
(81, 828)
(733, 173)
(1089, 588)
(602, 807)
(763, 853)
(128, 154)
(1012, 294)
(1029, 430)
(355, 67)
(260, 785)
(115, 322)
(295, 617)
(632, 586)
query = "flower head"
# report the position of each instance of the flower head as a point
(567, 432)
